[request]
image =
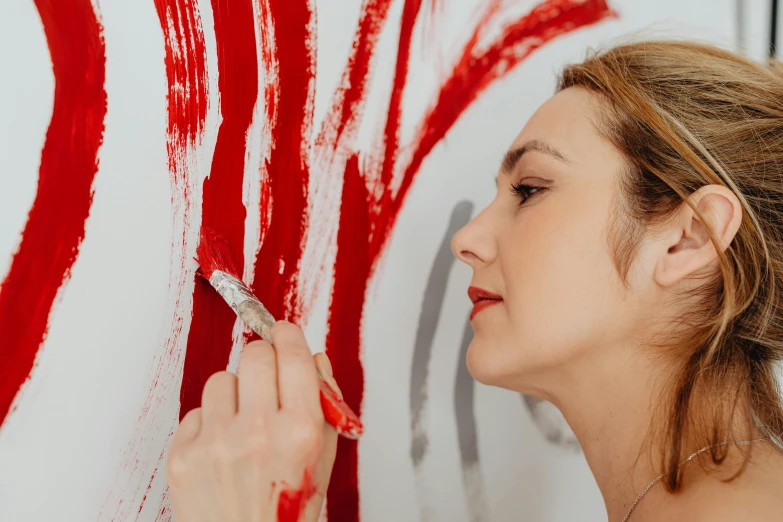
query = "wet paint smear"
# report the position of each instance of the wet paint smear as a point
(69, 161)
(209, 340)
(369, 207)
(292, 502)
(352, 271)
(186, 77)
(287, 167)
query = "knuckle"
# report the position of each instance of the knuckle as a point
(177, 467)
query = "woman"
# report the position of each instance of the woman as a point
(629, 270)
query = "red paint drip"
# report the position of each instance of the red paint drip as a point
(278, 259)
(292, 502)
(209, 340)
(366, 222)
(69, 161)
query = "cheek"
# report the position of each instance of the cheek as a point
(558, 277)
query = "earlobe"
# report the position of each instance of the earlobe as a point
(689, 248)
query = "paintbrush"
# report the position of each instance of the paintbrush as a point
(217, 267)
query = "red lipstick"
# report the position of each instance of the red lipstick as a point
(482, 299)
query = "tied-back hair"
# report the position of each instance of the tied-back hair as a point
(685, 115)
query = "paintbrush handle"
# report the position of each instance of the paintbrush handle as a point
(254, 314)
(257, 317)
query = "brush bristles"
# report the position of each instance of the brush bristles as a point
(213, 254)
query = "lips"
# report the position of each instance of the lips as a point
(482, 299)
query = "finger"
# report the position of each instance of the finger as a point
(297, 379)
(188, 429)
(257, 379)
(329, 452)
(219, 399)
(322, 364)
(324, 368)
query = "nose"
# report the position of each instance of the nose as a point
(474, 244)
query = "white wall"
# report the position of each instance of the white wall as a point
(63, 452)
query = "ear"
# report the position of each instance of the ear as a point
(688, 247)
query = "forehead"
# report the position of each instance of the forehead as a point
(566, 121)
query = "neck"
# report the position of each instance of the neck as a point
(610, 414)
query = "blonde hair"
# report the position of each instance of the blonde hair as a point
(686, 115)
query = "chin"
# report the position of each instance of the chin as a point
(486, 365)
(508, 365)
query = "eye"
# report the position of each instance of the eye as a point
(524, 192)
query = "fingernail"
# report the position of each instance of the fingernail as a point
(328, 368)
(333, 385)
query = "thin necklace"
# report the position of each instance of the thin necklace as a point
(659, 477)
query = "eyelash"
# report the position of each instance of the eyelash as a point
(524, 192)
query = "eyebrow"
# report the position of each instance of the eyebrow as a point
(513, 156)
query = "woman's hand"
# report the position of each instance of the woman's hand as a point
(258, 449)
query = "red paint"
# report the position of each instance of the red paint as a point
(186, 76)
(352, 270)
(478, 67)
(370, 204)
(349, 98)
(292, 502)
(209, 340)
(410, 12)
(213, 253)
(69, 161)
(288, 165)
(338, 414)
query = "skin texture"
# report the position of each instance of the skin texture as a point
(566, 330)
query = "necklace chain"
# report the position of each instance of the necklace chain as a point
(694, 455)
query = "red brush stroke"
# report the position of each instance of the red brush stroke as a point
(292, 502)
(352, 270)
(209, 340)
(186, 75)
(391, 131)
(69, 161)
(370, 207)
(477, 69)
(288, 165)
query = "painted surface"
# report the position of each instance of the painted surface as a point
(337, 151)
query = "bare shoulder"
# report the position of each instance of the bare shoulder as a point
(757, 494)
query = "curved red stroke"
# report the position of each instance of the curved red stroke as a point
(69, 161)
(477, 69)
(369, 207)
(410, 13)
(348, 99)
(288, 165)
(209, 340)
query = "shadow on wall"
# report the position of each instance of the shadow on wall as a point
(545, 416)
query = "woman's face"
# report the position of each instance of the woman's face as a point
(541, 248)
